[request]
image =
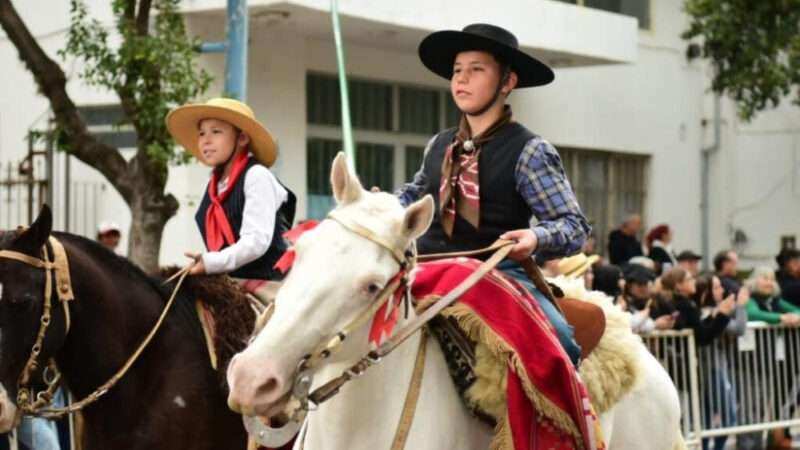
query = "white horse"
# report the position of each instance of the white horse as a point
(336, 275)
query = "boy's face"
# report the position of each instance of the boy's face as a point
(217, 140)
(476, 75)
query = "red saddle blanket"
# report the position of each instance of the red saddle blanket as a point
(547, 405)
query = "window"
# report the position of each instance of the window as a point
(373, 163)
(609, 187)
(392, 122)
(634, 8)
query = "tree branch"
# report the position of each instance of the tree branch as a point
(52, 83)
(143, 17)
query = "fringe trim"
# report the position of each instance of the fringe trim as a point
(478, 331)
(503, 440)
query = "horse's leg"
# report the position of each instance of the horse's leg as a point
(654, 407)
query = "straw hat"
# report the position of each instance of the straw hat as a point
(183, 124)
(575, 266)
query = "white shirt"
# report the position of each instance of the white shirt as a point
(263, 196)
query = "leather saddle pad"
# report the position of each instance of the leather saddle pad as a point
(587, 319)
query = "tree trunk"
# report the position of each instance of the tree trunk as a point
(148, 217)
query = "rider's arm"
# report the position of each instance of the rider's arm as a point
(413, 191)
(562, 227)
(263, 196)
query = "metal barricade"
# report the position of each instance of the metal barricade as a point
(734, 385)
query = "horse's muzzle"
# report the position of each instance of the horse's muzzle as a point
(255, 386)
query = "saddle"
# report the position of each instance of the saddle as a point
(587, 320)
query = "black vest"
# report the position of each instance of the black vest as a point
(502, 207)
(262, 267)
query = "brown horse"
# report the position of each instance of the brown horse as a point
(171, 398)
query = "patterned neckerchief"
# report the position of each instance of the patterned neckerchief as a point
(459, 191)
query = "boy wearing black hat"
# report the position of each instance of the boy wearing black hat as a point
(491, 176)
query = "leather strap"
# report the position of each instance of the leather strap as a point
(331, 388)
(397, 252)
(412, 396)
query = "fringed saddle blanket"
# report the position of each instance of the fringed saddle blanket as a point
(518, 375)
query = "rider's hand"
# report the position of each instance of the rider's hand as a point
(526, 242)
(198, 268)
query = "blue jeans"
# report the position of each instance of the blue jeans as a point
(41, 434)
(564, 330)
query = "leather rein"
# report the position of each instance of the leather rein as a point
(38, 404)
(304, 401)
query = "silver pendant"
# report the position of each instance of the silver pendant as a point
(469, 145)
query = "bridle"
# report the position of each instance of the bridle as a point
(56, 270)
(303, 401)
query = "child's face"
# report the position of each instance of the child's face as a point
(476, 75)
(216, 141)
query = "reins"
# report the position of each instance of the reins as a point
(36, 404)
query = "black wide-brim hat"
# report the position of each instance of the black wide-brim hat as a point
(438, 52)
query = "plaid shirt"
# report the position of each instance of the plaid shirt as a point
(561, 228)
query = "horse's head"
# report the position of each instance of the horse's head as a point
(337, 275)
(22, 289)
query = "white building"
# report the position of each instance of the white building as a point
(628, 112)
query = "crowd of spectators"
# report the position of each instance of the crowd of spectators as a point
(666, 290)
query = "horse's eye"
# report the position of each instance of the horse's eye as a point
(373, 289)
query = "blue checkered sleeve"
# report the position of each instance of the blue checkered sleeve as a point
(562, 227)
(413, 191)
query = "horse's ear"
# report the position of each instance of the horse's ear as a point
(418, 217)
(346, 187)
(31, 240)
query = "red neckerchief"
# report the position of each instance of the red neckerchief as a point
(218, 229)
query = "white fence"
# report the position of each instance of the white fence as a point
(734, 385)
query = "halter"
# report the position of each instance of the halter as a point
(37, 404)
(58, 269)
(304, 401)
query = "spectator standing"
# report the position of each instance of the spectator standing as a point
(679, 286)
(623, 243)
(109, 235)
(638, 300)
(658, 242)
(726, 267)
(788, 275)
(719, 392)
(766, 305)
(690, 262)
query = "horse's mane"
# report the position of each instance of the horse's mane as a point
(114, 263)
(233, 315)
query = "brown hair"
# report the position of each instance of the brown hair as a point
(671, 279)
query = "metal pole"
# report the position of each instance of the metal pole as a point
(50, 171)
(236, 56)
(29, 176)
(705, 169)
(347, 129)
(67, 189)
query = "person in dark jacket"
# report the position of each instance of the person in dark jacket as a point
(623, 243)
(788, 274)
(726, 267)
(658, 243)
(679, 286)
